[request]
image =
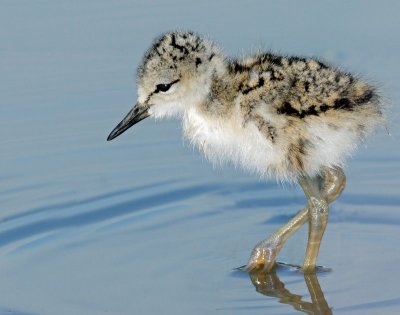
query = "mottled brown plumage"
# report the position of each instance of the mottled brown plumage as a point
(285, 96)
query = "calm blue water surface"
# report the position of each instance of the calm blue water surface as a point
(144, 225)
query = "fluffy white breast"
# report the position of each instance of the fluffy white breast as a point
(226, 140)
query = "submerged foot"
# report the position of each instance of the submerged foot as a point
(263, 256)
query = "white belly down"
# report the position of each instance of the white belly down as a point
(226, 141)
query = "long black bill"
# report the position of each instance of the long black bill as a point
(138, 113)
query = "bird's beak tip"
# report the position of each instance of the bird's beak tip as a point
(113, 134)
(133, 117)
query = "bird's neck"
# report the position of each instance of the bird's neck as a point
(221, 92)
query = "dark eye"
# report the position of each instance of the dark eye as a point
(163, 87)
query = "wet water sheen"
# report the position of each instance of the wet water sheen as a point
(143, 225)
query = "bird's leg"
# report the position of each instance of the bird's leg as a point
(317, 220)
(265, 252)
(332, 183)
(318, 200)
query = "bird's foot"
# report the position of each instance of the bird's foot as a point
(264, 254)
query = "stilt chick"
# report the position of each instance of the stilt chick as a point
(290, 118)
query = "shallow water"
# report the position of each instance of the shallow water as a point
(143, 225)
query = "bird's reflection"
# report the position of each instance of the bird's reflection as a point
(269, 284)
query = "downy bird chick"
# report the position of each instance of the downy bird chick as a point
(285, 117)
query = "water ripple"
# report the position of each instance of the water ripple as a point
(105, 213)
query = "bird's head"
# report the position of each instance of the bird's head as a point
(175, 75)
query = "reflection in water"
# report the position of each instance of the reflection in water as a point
(269, 284)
